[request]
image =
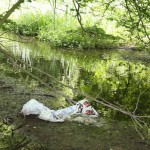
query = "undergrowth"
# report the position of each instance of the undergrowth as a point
(63, 32)
(91, 37)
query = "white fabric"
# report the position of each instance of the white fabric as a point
(36, 108)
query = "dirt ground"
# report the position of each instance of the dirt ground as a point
(113, 135)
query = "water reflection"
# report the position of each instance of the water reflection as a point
(104, 74)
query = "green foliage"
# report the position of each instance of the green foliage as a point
(91, 37)
(133, 16)
(118, 82)
(7, 25)
(65, 32)
(7, 141)
(30, 23)
(12, 139)
(127, 19)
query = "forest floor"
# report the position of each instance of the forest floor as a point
(114, 135)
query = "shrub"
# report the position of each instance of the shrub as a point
(91, 37)
(62, 32)
(30, 24)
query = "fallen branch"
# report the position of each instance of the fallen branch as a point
(137, 103)
(136, 128)
(47, 95)
(135, 119)
(103, 101)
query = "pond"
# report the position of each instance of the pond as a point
(118, 76)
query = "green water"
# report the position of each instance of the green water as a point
(118, 76)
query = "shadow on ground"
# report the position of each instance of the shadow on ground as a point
(112, 135)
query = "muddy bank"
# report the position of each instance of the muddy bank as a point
(112, 134)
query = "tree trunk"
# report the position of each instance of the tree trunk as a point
(10, 11)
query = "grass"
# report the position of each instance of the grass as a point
(64, 33)
(64, 30)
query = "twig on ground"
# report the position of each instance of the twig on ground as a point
(137, 103)
(136, 119)
(136, 128)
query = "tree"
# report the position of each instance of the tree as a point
(134, 16)
(4, 17)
